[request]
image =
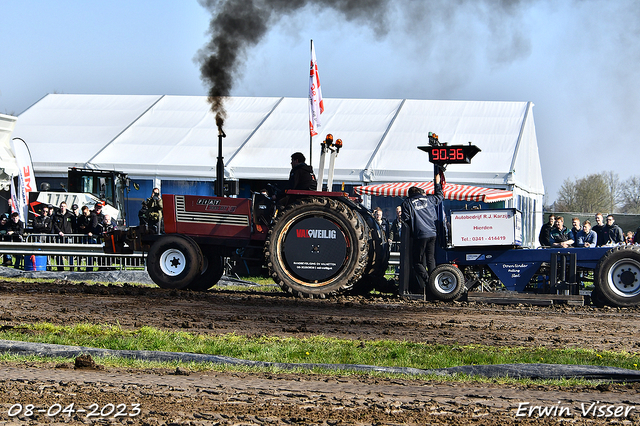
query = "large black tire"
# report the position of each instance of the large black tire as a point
(617, 276)
(174, 261)
(212, 270)
(317, 247)
(446, 282)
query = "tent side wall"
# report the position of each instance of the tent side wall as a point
(174, 138)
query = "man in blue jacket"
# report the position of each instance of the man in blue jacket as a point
(419, 213)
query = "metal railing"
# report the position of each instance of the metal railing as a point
(73, 251)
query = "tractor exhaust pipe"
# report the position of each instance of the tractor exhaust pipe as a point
(220, 165)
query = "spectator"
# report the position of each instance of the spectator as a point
(544, 237)
(84, 228)
(587, 237)
(62, 222)
(636, 236)
(154, 211)
(108, 224)
(612, 232)
(575, 230)
(75, 213)
(560, 234)
(15, 230)
(42, 223)
(382, 221)
(4, 226)
(628, 237)
(142, 213)
(97, 217)
(84, 223)
(598, 229)
(61, 225)
(395, 230)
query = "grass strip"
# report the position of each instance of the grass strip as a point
(315, 349)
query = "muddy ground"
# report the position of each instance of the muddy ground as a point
(229, 398)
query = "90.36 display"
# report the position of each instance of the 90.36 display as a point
(451, 154)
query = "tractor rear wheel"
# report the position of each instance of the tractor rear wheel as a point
(174, 261)
(212, 270)
(446, 282)
(317, 247)
(617, 276)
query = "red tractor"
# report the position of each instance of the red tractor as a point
(321, 243)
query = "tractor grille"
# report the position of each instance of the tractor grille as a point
(210, 218)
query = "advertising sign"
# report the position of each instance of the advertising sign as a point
(501, 227)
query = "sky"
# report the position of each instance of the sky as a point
(578, 61)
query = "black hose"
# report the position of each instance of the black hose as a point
(516, 371)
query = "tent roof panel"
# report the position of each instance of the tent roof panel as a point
(185, 133)
(161, 136)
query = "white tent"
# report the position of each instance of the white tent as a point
(8, 164)
(175, 137)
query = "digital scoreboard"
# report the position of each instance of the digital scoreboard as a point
(451, 154)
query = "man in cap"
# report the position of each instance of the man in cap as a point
(61, 224)
(75, 213)
(97, 217)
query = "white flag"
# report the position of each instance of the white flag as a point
(14, 198)
(316, 106)
(26, 181)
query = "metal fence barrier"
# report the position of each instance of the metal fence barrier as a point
(73, 252)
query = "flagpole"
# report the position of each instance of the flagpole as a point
(310, 136)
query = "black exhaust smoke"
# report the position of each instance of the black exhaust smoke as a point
(237, 25)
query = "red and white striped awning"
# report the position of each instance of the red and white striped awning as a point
(452, 191)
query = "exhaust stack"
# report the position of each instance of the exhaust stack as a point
(220, 165)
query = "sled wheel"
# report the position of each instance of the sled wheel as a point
(446, 282)
(174, 261)
(212, 270)
(618, 276)
(317, 247)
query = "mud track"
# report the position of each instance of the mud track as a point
(240, 398)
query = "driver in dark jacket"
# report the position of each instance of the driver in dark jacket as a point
(420, 213)
(301, 175)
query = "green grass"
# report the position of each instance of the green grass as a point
(317, 349)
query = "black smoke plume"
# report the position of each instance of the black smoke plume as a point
(237, 25)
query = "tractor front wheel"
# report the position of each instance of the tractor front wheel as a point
(174, 261)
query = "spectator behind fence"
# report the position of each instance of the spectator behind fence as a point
(61, 225)
(42, 222)
(62, 222)
(382, 221)
(74, 218)
(15, 230)
(84, 222)
(612, 232)
(628, 237)
(108, 224)
(587, 237)
(575, 230)
(544, 238)
(97, 217)
(560, 234)
(4, 225)
(84, 227)
(598, 228)
(395, 230)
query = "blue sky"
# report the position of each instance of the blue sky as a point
(577, 61)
